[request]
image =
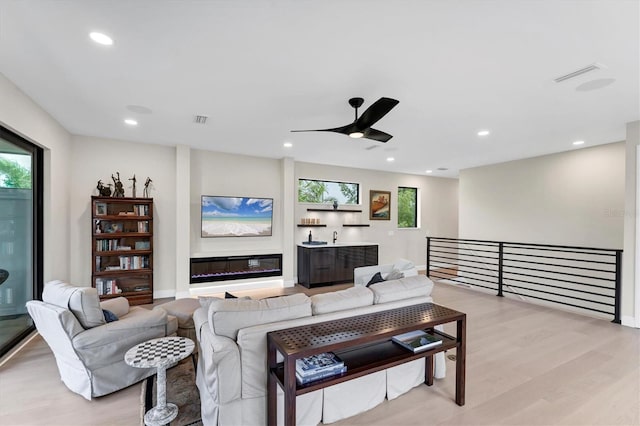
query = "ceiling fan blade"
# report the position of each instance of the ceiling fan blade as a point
(376, 135)
(345, 130)
(375, 112)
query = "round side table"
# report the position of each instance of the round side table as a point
(160, 353)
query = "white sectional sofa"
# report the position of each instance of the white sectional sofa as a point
(232, 366)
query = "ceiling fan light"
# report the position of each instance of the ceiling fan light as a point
(356, 134)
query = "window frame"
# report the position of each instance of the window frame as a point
(416, 224)
(359, 190)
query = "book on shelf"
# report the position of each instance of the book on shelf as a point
(417, 340)
(303, 380)
(314, 364)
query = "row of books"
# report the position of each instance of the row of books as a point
(107, 286)
(110, 245)
(143, 226)
(134, 262)
(320, 366)
(141, 209)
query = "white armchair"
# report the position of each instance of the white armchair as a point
(88, 350)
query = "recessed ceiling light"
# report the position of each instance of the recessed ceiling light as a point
(287, 144)
(101, 38)
(578, 142)
(390, 159)
(429, 171)
(130, 122)
(483, 133)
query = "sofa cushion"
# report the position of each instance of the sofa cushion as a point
(82, 301)
(341, 300)
(404, 288)
(227, 316)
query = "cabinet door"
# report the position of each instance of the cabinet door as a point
(370, 256)
(322, 265)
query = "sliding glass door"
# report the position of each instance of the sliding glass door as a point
(20, 235)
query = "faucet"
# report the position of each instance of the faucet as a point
(335, 236)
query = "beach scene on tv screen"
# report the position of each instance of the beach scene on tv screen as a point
(236, 216)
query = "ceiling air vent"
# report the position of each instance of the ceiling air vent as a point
(581, 71)
(200, 119)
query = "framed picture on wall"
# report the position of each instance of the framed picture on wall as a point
(379, 205)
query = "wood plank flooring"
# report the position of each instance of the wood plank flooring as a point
(526, 365)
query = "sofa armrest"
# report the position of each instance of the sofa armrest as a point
(119, 306)
(107, 344)
(219, 367)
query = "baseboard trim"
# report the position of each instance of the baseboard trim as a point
(629, 321)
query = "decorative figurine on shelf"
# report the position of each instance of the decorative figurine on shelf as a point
(133, 190)
(104, 191)
(335, 204)
(118, 192)
(145, 191)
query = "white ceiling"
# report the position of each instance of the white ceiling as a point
(259, 69)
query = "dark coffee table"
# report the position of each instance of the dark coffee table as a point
(364, 344)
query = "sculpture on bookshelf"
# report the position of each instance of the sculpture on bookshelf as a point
(104, 191)
(119, 188)
(133, 189)
(145, 191)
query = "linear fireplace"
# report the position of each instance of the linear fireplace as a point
(223, 268)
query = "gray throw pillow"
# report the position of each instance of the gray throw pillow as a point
(394, 275)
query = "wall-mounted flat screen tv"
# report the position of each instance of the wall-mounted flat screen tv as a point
(236, 216)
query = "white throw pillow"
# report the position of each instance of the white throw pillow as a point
(403, 264)
(394, 275)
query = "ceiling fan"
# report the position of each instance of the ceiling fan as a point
(361, 126)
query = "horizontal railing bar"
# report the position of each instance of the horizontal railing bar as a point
(466, 283)
(561, 288)
(463, 248)
(464, 254)
(558, 250)
(480, 279)
(505, 243)
(453, 241)
(560, 295)
(561, 258)
(476, 267)
(561, 266)
(560, 303)
(557, 279)
(559, 273)
(462, 260)
(477, 273)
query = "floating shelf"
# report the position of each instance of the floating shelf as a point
(337, 210)
(300, 225)
(359, 225)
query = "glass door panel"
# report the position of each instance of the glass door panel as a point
(17, 242)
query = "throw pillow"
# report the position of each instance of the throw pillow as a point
(228, 295)
(109, 316)
(377, 278)
(394, 275)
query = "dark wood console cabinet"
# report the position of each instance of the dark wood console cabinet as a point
(325, 265)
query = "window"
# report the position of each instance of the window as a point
(20, 235)
(322, 191)
(407, 207)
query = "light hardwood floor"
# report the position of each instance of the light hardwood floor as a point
(526, 365)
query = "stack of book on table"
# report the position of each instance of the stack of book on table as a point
(318, 366)
(417, 340)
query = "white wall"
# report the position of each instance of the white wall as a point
(97, 158)
(571, 198)
(20, 114)
(438, 211)
(631, 284)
